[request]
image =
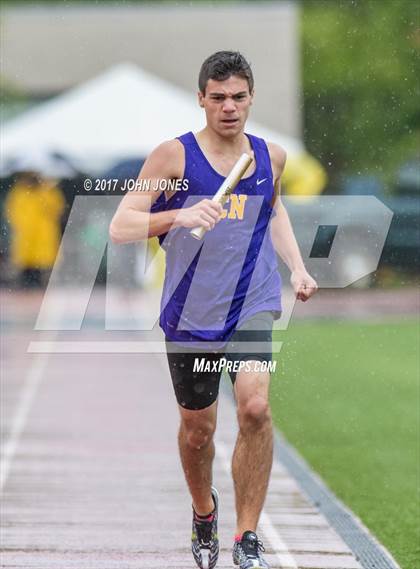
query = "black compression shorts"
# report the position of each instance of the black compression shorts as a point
(196, 373)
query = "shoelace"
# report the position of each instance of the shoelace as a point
(203, 532)
(252, 547)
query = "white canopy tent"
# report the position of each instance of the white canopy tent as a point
(123, 113)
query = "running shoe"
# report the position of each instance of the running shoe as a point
(247, 552)
(204, 539)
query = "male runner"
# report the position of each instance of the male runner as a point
(220, 298)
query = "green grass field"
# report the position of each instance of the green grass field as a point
(346, 395)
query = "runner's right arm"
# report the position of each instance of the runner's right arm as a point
(133, 220)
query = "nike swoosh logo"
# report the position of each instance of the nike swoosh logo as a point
(261, 181)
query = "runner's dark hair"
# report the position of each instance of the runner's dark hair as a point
(222, 65)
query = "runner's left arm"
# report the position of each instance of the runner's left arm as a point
(283, 236)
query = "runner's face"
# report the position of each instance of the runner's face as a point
(226, 104)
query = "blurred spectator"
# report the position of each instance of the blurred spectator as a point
(33, 208)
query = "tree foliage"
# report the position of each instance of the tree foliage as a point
(361, 84)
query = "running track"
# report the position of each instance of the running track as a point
(91, 476)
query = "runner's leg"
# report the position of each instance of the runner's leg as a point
(253, 454)
(196, 447)
(196, 393)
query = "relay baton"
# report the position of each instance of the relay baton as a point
(230, 183)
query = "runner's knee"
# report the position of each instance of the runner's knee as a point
(198, 434)
(254, 413)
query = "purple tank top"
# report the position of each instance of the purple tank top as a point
(212, 286)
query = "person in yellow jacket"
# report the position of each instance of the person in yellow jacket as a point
(33, 208)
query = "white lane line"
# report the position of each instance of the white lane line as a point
(280, 548)
(29, 389)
